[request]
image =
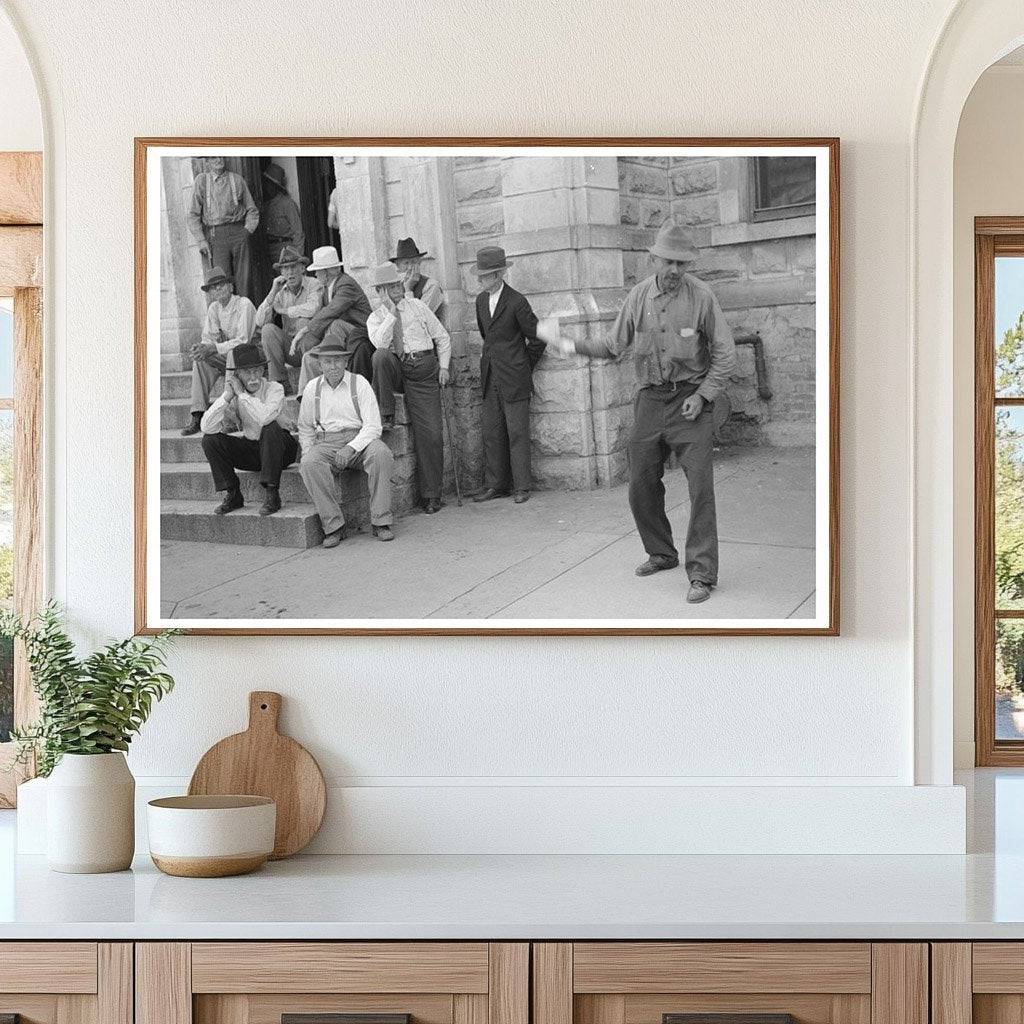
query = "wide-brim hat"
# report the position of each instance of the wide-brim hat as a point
(214, 277)
(275, 173)
(330, 347)
(325, 257)
(674, 243)
(247, 356)
(384, 274)
(290, 255)
(490, 259)
(407, 249)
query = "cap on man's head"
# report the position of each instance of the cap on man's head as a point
(407, 249)
(330, 347)
(489, 259)
(247, 356)
(384, 274)
(290, 256)
(674, 243)
(325, 257)
(214, 277)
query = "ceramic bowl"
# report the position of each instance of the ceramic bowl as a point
(211, 836)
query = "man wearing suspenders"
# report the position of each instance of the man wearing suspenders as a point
(339, 428)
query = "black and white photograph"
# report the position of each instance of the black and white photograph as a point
(471, 388)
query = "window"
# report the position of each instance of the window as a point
(783, 186)
(999, 491)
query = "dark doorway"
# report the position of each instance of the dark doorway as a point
(316, 183)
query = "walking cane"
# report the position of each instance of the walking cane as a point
(454, 446)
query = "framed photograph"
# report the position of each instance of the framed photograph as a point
(487, 386)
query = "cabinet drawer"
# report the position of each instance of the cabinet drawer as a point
(48, 967)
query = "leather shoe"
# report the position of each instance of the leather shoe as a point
(656, 563)
(335, 537)
(490, 494)
(699, 591)
(232, 500)
(520, 496)
(271, 502)
(383, 533)
(193, 427)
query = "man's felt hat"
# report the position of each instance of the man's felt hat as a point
(407, 249)
(324, 258)
(247, 356)
(214, 277)
(290, 255)
(384, 274)
(330, 347)
(489, 259)
(275, 173)
(674, 243)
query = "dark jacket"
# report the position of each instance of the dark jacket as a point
(348, 303)
(511, 348)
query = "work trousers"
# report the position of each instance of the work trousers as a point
(318, 474)
(206, 371)
(230, 250)
(506, 430)
(361, 360)
(277, 343)
(415, 375)
(268, 456)
(658, 431)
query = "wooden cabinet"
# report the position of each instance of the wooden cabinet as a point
(260, 982)
(66, 982)
(646, 982)
(979, 982)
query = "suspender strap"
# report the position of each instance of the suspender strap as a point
(316, 405)
(316, 408)
(355, 397)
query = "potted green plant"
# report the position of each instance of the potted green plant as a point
(89, 710)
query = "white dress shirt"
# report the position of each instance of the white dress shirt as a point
(492, 299)
(253, 411)
(337, 412)
(303, 302)
(230, 325)
(420, 329)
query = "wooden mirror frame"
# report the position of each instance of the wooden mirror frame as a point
(21, 272)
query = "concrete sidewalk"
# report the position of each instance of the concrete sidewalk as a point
(561, 555)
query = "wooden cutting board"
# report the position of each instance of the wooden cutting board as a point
(262, 762)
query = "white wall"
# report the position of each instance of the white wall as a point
(444, 714)
(988, 181)
(21, 123)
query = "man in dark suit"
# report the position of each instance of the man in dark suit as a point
(508, 327)
(341, 317)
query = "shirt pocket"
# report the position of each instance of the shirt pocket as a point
(682, 345)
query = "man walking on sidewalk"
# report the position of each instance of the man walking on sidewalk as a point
(339, 428)
(404, 333)
(683, 353)
(264, 446)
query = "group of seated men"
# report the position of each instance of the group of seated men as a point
(318, 319)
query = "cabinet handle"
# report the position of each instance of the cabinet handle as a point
(337, 1018)
(728, 1018)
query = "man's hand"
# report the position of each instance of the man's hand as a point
(692, 407)
(279, 283)
(204, 250)
(295, 341)
(203, 349)
(443, 377)
(562, 345)
(344, 457)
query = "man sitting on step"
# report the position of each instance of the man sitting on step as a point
(404, 333)
(339, 428)
(263, 447)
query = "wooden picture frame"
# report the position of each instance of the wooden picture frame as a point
(149, 617)
(21, 262)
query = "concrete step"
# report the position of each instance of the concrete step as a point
(295, 526)
(176, 385)
(174, 413)
(192, 481)
(174, 362)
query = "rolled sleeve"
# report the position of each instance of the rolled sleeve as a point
(380, 326)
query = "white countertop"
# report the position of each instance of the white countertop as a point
(532, 897)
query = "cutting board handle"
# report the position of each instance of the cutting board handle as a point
(264, 711)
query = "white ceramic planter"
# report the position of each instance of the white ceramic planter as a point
(90, 814)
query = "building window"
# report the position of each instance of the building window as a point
(783, 186)
(999, 491)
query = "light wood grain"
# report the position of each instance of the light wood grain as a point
(851, 1009)
(831, 144)
(21, 188)
(115, 996)
(224, 1009)
(807, 1008)
(899, 990)
(21, 258)
(262, 762)
(37, 1009)
(163, 983)
(509, 983)
(951, 983)
(48, 967)
(998, 967)
(722, 967)
(599, 1009)
(997, 1009)
(268, 1008)
(552, 983)
(76, 1009)
(469, 1008)
(340, 967)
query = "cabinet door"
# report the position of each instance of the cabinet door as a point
(66, 982)
(737, 982)
(332, 983)
(980, 982)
